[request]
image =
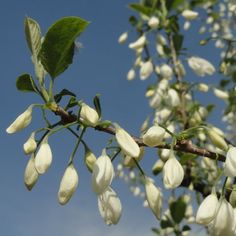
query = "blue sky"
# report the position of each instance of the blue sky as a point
(100, 67)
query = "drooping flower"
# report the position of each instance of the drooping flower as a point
(89, 160)
(153, 22)
(131, 74)
(217, 139)
(154, 136)
(103, 173)
(189, 15)
(230, 162)
(154, 198)
(201, 66)
(158, 166)
(30, 145)
(31, 175)
(139, 43)
(172, 98)
(43, 158)
(223, 221)
(21, 121)
(89, 115)
(173, 172)
(109, 206)
(126, 142)
(146, 70)
(166, 71)
(68, 185)
(129, 161)
(207, 209)
(123, 37)
(221, 94)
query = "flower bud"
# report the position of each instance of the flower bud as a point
(103, 173)
(153, 22)
(139, 43)
(230, 162)
(207, 209)
(68, 185)
(221, 94)
(223, 221)
(109, 206)
(203, 87)
(89, 160)
(157, 167)
(217, 139)
(166, 71)
(31, 175)
(131, 74)
(123, 37)
(21, 121)
(30, 145)
(43, 158)
(173, 98)
(129, 162)
(154, 136)
(146, 70)
(126, 142)
(89, 115)
(201, 66)
(154, 198)
(232, 197)
(173, 172)
(189, 15)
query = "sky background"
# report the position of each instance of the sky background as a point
(100, 67)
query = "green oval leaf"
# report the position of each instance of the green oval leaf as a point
(25, 83)
(57, 50)
(177, 210)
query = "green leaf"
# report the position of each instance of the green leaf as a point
(25, 83)
(72, 102)
(177, 210)
(166, 224)
(156, 231)
(57, 49)
(178, 41)
(33, 35)
(64, 92)
(105, 123)
(141, 9)
(96, 102)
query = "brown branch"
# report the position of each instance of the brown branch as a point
(182, 146)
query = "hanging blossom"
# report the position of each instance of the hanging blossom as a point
(68, 184)
(139, 43)
(109, 206)
(43, 158)
(31, 175)
(126, 142)
(173, 172)
(146, 70)
(201, 66)
(21, 121)
(123, 37)
(230, 162)
(103, 173)
(189, 15)
(153, 22)
(89, 115)
(30, 145)
(154, 136)
(154, 198)
(217, 139)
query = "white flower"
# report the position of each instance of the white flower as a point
(146, 70)
(223, 222)
(131, 74)
(189, 15)
(201, 66)
(158, 166)
(21, 121)
(43, 158)
(123, 37)
(30, 145)
(154, 198)
(103, 173)
(89, 115)
(173, 173)
(153, 22)
(154, 136)
(166, 71)
(89, 160)
(139, 43)
(31, 175)
(221, 94)
(207, 209)
(68, 185)
(187, 25)
(203, 87)
(217, 139)
(230, 162)
(128, 160)
(126, 142)
(109, 206)
(173, 98)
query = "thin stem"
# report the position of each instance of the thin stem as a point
(115, 155)
(139, 167)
